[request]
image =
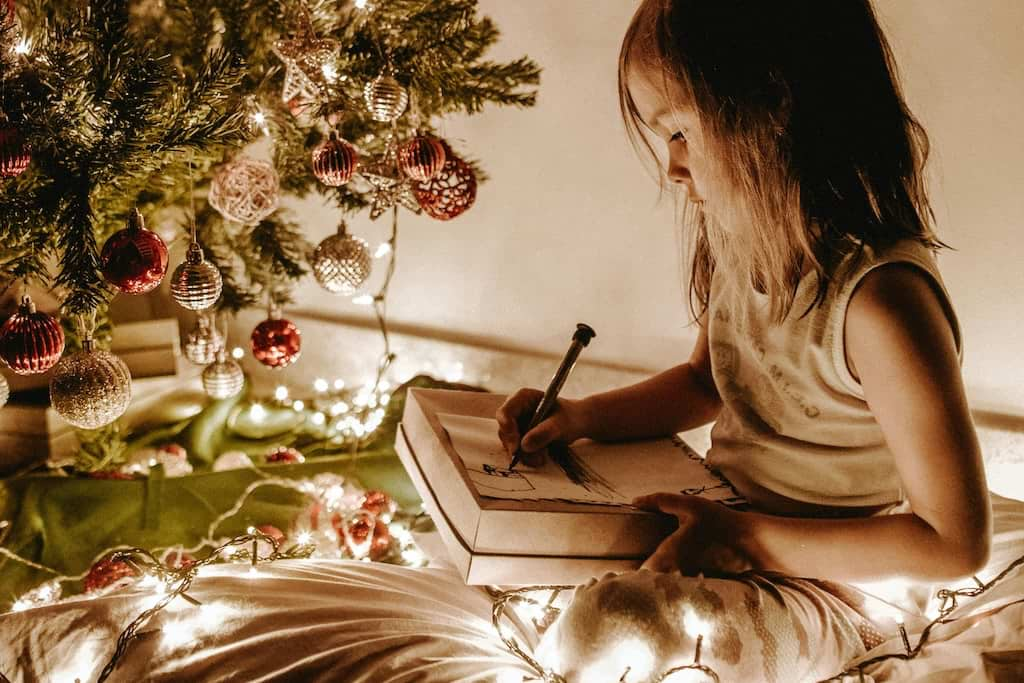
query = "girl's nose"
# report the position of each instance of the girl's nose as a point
(678, 173)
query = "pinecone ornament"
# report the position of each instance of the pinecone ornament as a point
(341, 262)
(196, 284)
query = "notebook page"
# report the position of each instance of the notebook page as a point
(590, 472)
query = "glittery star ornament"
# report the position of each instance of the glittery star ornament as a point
(305, 56)
(389, 188)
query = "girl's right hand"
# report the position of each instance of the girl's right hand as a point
(566, 423)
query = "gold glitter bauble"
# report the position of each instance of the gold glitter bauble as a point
(341, 263)
(91, 388)
(223, 378)
(245, 190)
(385, 98)
(196, 284)
(203, 343)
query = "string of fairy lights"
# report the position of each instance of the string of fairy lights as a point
(537, 605)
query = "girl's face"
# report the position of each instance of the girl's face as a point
(676, 124)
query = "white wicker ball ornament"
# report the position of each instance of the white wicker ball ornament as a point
(203, 342)
(91, 388)
(223, 378)
(386, 98)
(341, 262)
(196, 284)
(245, 190)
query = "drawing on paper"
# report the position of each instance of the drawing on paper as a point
(579, 472)
(499, 479)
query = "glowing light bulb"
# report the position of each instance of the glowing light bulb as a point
(338, 408)
(23, 47)
(383, 249)
(237, 353)
(281, 393)
(298, 405)
(320, 384)
(257, 412)
(694, 625)
(318, 419)
(362, 300)
(304, 538)
(360, 4)
(330, 72)
(339, 384)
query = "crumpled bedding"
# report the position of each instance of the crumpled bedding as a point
(337, 620)
(297, 620)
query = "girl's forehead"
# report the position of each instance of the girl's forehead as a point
(656, 95)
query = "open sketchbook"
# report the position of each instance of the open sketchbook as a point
(586, 471)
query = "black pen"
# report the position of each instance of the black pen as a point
(584, 333)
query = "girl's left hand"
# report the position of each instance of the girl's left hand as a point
(706, 540)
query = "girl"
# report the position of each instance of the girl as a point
(828, 351)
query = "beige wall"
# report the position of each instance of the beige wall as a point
(568, 228)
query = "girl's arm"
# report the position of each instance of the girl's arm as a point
(903, 352)
(678, 399)
(681, 398)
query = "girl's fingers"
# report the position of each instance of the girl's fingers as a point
(666, 557)
(672, 503)
(521, 403)
(543, 434)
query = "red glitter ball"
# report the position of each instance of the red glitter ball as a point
(379, 503)
(276, 342)
(106, 573)
(31, 342)
(134, 260)
(14, 153)
(285, 454)
(359, 528)
(334, 161)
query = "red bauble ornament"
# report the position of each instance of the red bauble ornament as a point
(359, 528)
(334, 161)
(178, 559)
(273, 532)
(451, 192)
(380, 504)
(31, 342)
(134, 259)
(276, 342)
(285, 454)
(106, 573)
(422, 157)
(14, 152)
(175, 450)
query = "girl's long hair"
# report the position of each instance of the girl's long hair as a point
(813, 146)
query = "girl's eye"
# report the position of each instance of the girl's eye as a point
(677, 136)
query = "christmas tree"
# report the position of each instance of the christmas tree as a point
(116, 114)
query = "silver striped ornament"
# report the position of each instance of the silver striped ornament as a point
(196, 283)
(223, 378)
(341, 262)
(386, 98)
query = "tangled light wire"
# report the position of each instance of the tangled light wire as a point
(949, 601)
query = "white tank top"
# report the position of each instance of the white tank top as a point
(795, 429)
